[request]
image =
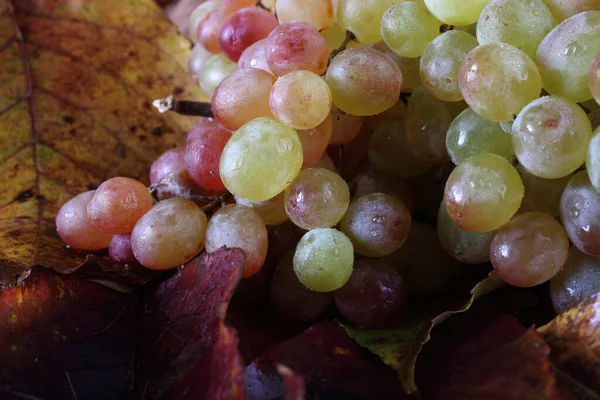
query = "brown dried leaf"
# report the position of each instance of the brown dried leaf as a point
(77, 82)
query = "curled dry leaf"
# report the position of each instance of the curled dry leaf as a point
(75, 108)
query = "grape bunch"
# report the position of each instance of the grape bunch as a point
(362, 150)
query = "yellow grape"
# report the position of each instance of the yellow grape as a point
(362, 17)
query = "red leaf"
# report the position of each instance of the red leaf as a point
(185, 348)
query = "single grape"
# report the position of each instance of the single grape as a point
(363, 81)
(550, 136)
(529, 250)
(317, 198)
(595, 79)
(290, 299)
(216, 68)
(377, 224)
(580, 213)
(255, 56)
(171, 161)
(592, 161)
(76, 229)
(334, 37)
(238, 226)
(497, 80)
(441, 61)
(464, 246)
(296, 46)
(323, 260)
(169, 235)
(456, 12)
(120, 250)
(426, 123)
(179, 184)
(389, 151)
(300, 99)
(374, 296)
(243, 28)
(117, 205)
(196, 62)
(483, 193)
(325, 162)
(203, 148)
(261, 159)
(542, 195)
(382, 182)
(408, 27)
(272, 211)
(362, 18)
(521, 24)
(578, 279)
(409, 67)
(471, 134)
(565, 55)
(209, 27)
(242, 97)
(345, 126)
(563, 9)
(318, 13)
(198, 15)
(315, 141)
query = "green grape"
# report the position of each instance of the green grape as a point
(389, 151)
(516, 22)
(483, 193)
(563, 9)
(456, 12)
(595, 79)
(507, 126)
(471, 134)
(364, 81)
(464, 246)
(318, 13)
(441, 61)
(497, 80)
(426, 123)
(592, 160)
(542, 195)
(408, 66)
(334, 36)
(566, 54)
(408, 27)
(261, 159)
(323, 260)
(550, 136)
(216, 68)
(576, 281)
(362, 18)
(272, 211)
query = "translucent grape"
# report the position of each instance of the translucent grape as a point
(209, 27)
(529, 250)
(576, 281)
(196, 62)
(290, 299)
(315, 141)
(296, 46)
(261, 159)
(323, 260)
(542, 195)
(389, 151)
(580, 213)
(471, 134)
(171, 161)
(334, 36)
(242, 227)
(318, 13)
(564, 9)
(464, 246)
(117, 205)
(362, 17)
(408, 27)
(374, 296)
(242, 97)
(76, 229)
(345, 126)
(426, 123)
(518, 23)
(255, 56)
(550, 136)
(566, 54)
(203, 148)
(497, 80)
(592, 161)
(377, 224)
(364, 81)
(317, 198)
(483, 193)
(216, 68)
(441, 61)
(243, 28)
(325, 162)
(507, 126)
(272, 211)
(382, 182)
(409, 67)
(120, 250)
(456, 12)
(300, 99)
(198, 15)
(595, 79)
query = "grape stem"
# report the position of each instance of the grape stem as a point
(349, 37)
(184, 107)
(216, 202)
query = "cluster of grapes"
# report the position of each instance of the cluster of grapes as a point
(323, 74)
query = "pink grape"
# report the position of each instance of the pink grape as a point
(171, 161)
(315, 141)
(255, 56)
(238, 3)
(120, 250)
(209, 26)
(345, 126)
(243, 28)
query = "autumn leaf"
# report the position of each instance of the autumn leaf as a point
(77, 82)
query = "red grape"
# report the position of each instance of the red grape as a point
(168, 162)
(243, 28)
(208, 28)
(120, 250)
(315, 141)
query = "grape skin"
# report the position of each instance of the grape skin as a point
(345, 126)
(318, 13)
(577, 280)
(120, 250)
(171, 161)
(564, 9)
(198, 14)
(272, 211)
(315, 141)
(255, 56)
(594, 79)
(542, 195)
(208, 28)
(216, 68)
(456, 12)
(361, 17)
(592, 161)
